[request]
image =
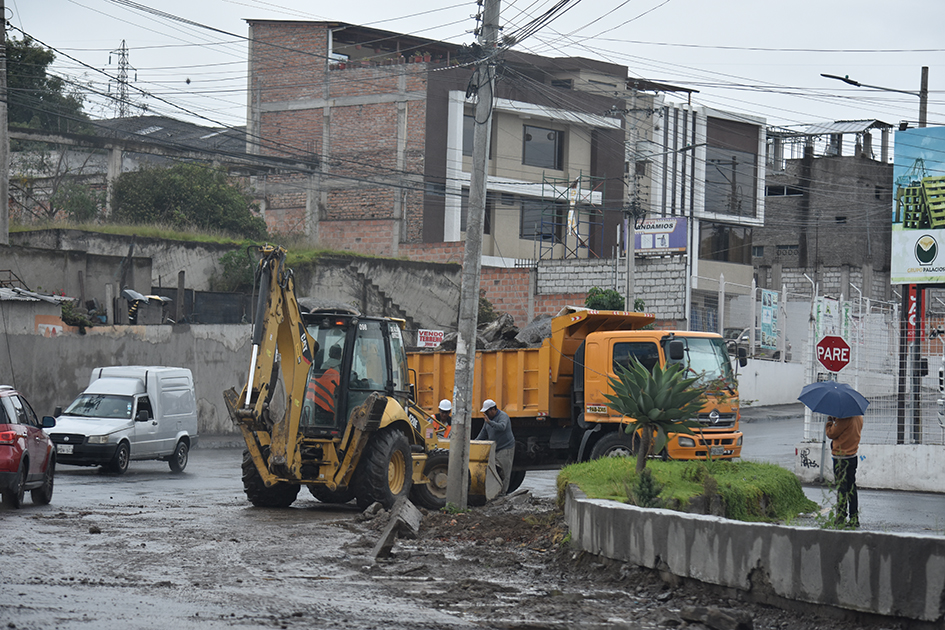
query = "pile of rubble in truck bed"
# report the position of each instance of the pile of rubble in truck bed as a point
(503, 334)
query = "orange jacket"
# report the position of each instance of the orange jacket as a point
(845, 435)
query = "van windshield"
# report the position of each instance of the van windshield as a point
(101, 406)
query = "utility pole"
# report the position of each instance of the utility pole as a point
(4, 135)
(631, 222)
(463, 405)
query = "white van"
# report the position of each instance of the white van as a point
(129, 413)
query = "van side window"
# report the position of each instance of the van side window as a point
(144, 404)
(177, 402)
(645, 352)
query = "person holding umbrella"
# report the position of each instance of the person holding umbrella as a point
(844, 434)
(844, 407)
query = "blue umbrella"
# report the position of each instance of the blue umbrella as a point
(833, 399)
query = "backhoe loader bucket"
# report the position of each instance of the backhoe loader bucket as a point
(485, 483)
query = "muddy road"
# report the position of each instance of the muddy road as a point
(152, 549)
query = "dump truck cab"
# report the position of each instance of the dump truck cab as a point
(702, 355)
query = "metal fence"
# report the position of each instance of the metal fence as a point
(904, 389)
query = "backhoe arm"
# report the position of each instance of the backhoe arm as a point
(278, 331)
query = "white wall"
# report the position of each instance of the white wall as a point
(770, 382)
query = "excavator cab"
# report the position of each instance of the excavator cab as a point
(356, 356)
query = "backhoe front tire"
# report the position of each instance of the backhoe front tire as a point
(385, 472)
(281, 495)
(432, 495)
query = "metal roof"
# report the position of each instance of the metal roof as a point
(22, 295)
(845, 126)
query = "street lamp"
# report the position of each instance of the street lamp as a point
(923, 92)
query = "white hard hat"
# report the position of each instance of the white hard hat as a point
(446, 405)
(487, 404)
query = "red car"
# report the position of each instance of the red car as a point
(27, 455)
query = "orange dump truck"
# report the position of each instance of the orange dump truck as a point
(555, 394)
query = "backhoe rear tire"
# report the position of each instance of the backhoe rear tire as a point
(323, 494)
(432, 495)
(385, 472)
(281, 495)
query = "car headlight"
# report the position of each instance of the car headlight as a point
(686, 442)
(739, 442)
(98, 439)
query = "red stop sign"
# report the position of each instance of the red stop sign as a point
(833, 353)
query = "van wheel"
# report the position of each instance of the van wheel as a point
(385, 472)
(13, 497)
(120, 461)
(432, 495)
(178, 461)
(281, 495)
(43, 494)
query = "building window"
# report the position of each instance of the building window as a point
(469, 126)
(564, 84)
(840, 220)
(757, 251)
(543, 148)
(641, 168)
(783, 191)
(788, 251)
(486, 220)
(542, 220)
(730, 182)
(725, 243)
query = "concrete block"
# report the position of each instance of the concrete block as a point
(404, 521)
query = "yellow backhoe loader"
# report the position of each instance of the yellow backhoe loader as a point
(328, 404)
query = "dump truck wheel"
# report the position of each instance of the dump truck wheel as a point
(323, 494)
(385, 472)
(432, 495)
(515, 481)
(281, 495)
(614, 444)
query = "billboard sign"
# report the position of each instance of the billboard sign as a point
(654, 237)
(918, 212)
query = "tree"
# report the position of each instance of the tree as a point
(37, 99)
(604, 300)
(660, 402)
(186, 196)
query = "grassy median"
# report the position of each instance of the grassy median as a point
(740, 490)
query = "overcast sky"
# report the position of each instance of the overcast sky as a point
(758, 58)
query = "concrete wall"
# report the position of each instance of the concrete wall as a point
(51, 371)
(167, 258)
(889, 574)
(910, 467)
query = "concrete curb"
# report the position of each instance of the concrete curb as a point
(897, 575)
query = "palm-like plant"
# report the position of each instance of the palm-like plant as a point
(661, 401)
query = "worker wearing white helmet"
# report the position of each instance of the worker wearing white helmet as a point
(498, 428)
(444, 418)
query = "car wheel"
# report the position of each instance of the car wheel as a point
(385, 471)
(120, 461)
(178, 461)
(43, 494)
(13, 497)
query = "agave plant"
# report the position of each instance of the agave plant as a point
(661, 401)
